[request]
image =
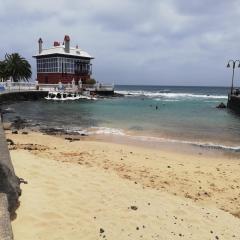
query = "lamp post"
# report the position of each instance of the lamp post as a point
(233, 67)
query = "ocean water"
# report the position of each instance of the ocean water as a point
(157, 113)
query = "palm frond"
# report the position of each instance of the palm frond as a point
(16, 67)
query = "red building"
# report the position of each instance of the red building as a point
(62, 63)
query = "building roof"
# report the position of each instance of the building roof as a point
(76, 52)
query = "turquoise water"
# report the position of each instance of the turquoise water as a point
(173, 113)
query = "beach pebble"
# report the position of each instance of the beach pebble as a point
(72, 139)
(134, 208)
(101, 230)
(10, 141)
(68, 138)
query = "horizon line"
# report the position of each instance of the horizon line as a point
(171, 85)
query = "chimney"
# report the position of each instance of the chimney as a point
(56, 44)
(67, 44)
(40, 42)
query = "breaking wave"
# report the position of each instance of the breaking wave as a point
(197, 144)
(169, 95)
(106, 130)
(120, 132)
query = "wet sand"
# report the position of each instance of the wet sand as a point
(102, 190)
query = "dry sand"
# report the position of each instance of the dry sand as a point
(96, 190)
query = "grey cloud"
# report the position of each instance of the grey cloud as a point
(203, 7)
(133, 41)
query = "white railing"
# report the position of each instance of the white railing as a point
(71, 87)
(48, 87)
(17, 86)
(105, 87)
(24, 86)
(100, 87)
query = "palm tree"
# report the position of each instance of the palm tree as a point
(17, 67)
(2, 70)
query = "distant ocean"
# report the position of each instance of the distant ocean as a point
(150, 113)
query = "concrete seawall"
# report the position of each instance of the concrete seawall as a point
(9, 183)
(234, 103)
(6, 97)
(9, 189)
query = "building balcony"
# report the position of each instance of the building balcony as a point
(83, 72)
(79, 73)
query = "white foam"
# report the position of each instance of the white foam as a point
(166, 100)
(211, 101)
(106, 130)
(120, 132)
(199, 144)
(170, 95)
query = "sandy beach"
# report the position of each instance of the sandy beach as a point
(87, 189)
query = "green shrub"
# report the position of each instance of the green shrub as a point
(90, 81)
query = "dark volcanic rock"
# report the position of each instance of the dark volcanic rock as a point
(68, 138)
(118, 95)
(10, 184)
(19, 123)
(10, 141)
(221, 105)
(53, 131)
(134, 208)
(61, 131)
(72, 139)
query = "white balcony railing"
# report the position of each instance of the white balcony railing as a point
(79, 87)
(8, 86)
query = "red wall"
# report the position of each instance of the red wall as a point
(54, 78)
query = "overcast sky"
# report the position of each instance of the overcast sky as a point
(158, 42)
